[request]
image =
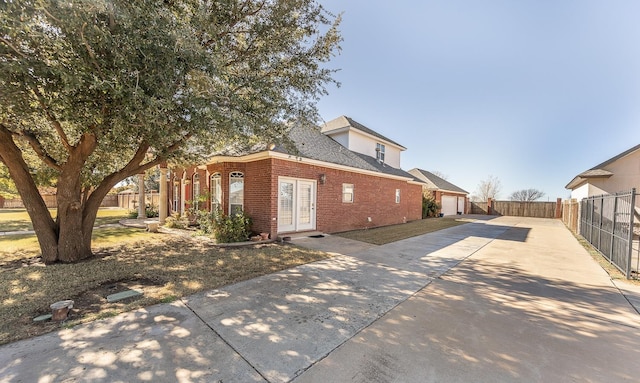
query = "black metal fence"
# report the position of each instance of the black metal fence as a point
(607, 222)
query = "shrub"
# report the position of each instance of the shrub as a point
(176, 221)
(151, 210)
(235, 228)
(133, 214)
(205, 221)
(429, 207)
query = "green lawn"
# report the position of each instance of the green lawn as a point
(387, 234)
(18, 219)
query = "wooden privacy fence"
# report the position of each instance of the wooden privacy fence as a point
(534, 209)
(571, 214)
(130, 200)
(111, 200)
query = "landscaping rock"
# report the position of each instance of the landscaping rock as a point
(123, 295)
(42, 318)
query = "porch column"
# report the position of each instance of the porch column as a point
(142, 214)
(163, 195)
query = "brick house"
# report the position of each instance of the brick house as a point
(451, 198)
(336, 179)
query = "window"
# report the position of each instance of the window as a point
(195, 193)
(176, 195)
(347, 192)
(380, 152)
(216, 191)
(397, 195)
(236, 193)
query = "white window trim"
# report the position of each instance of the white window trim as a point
(380, 152)
(397, 195)
(239, 175)
(214, 201)
(195, 187)
(346, 186)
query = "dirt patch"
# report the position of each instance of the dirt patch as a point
(92, 304)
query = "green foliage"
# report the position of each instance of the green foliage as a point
(235, 228)
(151, 210)
(7, 187)
(429, 207)
(176, 221)
(168, 75)
(205, 221)
(103, 90)
(133, 214)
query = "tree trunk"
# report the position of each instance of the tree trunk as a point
(44, 226)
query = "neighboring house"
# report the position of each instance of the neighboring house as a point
(620, 173)
(451, 198)
(321, 185)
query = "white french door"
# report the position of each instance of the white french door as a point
(296, 204)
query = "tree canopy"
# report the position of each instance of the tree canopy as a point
(488, 188)
(105, 89)
(526, 195)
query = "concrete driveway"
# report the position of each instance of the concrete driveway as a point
(505, 299)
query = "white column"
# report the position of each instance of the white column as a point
(142, 214)
(163, 195)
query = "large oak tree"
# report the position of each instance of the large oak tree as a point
(100, 90)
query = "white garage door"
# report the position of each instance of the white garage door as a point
(449, 205)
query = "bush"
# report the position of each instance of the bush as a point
(429, 207)
(235, 228)
(133, 214)
(205, 221)
(151, 210)
(176, 221)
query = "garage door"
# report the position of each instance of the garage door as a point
(449, 205)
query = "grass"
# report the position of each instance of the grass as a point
(164, 266)
(387, 234)
(613, 271)
(18, 219)
(23, 246)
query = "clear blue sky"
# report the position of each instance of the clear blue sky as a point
(530, 91)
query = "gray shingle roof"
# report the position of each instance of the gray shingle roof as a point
(598, 171)
(439, 183)
(309, 142)
(344, 121)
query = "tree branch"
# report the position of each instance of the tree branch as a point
(22, 55)
(40, 151)
(52, 119)
(92, 55)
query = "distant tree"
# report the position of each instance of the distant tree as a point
(103, 90)
(7, 187)
(526, 195)
(488, 188)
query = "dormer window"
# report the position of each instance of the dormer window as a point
(380, 152)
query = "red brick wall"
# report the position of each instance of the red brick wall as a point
(373, 196)
(438, 197)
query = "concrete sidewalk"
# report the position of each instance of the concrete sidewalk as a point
(504, 298)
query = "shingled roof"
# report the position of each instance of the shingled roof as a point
(435, 182)
(599, 170)
(347, 122)
(308, 141)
